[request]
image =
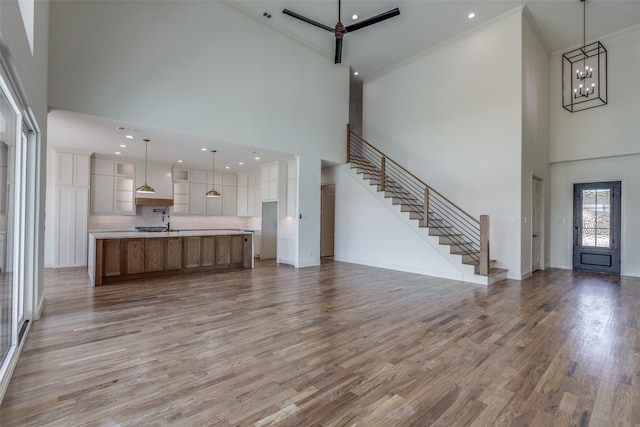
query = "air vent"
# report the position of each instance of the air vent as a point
(124, 129)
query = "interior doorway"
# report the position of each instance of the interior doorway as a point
(327, 219)
(597, 226)
(269, 239)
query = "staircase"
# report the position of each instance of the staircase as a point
(464, 235)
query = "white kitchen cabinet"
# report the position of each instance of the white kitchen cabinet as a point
(64, 175)
(269, 181)
(72, 227)
(292, 190)
(257, 201)
(214, 204)
(71, 207)
(124, 169)
(287, 248)
(102, 194)
(112, 184)
(242, 194)
(181, 198)
(197, 198)
(123, 202)
(73, 169)
(101, 166)
(198, 176)
(229, 200)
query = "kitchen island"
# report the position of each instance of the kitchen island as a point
(128, 255)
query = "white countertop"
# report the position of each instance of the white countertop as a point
(173, 233)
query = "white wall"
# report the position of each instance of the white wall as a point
(564, 175)
(453, 117)
(203, 68)
(368, 232)
(610, 130)
(535, 140)
(600, 144)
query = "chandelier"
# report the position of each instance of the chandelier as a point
(587, 87)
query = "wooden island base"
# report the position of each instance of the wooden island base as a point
(117, 257)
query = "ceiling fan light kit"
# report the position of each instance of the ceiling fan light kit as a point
(584, 74)
(340, 30)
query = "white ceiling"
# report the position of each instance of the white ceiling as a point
(82, 133)
(421, 25)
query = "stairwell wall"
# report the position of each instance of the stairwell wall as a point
(453, 116)
(368, 232)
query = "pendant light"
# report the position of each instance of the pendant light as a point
(587, 86)
(213, 192)
(145, 188)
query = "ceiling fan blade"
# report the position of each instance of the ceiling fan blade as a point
(307, 20)
(373, 20)
(338, 50)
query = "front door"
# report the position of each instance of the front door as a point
(596, 227)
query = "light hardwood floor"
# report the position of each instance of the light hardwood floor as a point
(335, 345)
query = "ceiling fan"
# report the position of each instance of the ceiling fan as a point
(340, 30)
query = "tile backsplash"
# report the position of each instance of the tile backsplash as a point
(146, 217)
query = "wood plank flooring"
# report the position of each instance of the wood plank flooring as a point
(335, 345)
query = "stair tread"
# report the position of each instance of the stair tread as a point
(497, 270)
(472, 262)
(409, 204)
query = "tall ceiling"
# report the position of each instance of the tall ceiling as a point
(422, 25)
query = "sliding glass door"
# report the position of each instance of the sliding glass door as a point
(12, 202)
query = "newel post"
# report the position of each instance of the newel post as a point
(484, 245)
(383, 173)
(348, 143)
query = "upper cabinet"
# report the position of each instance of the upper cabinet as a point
(249, 197)
(292, 189)
(72, 169)
(269, 181)
(190, 187)
(112, 190)
(159, 177)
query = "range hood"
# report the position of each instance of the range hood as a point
(148, 201)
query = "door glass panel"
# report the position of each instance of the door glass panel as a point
(596, 217)
(8, 129)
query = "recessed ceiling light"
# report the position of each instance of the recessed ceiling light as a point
(123, 146)
(471, 15)
(227, 167)
(355, 73)
(257, 158)
(241, 163)
(129, 136)
(354, 16)
(203, 149)
(179, 161)
(118, 153)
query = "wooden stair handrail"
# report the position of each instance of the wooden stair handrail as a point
(351, 133)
